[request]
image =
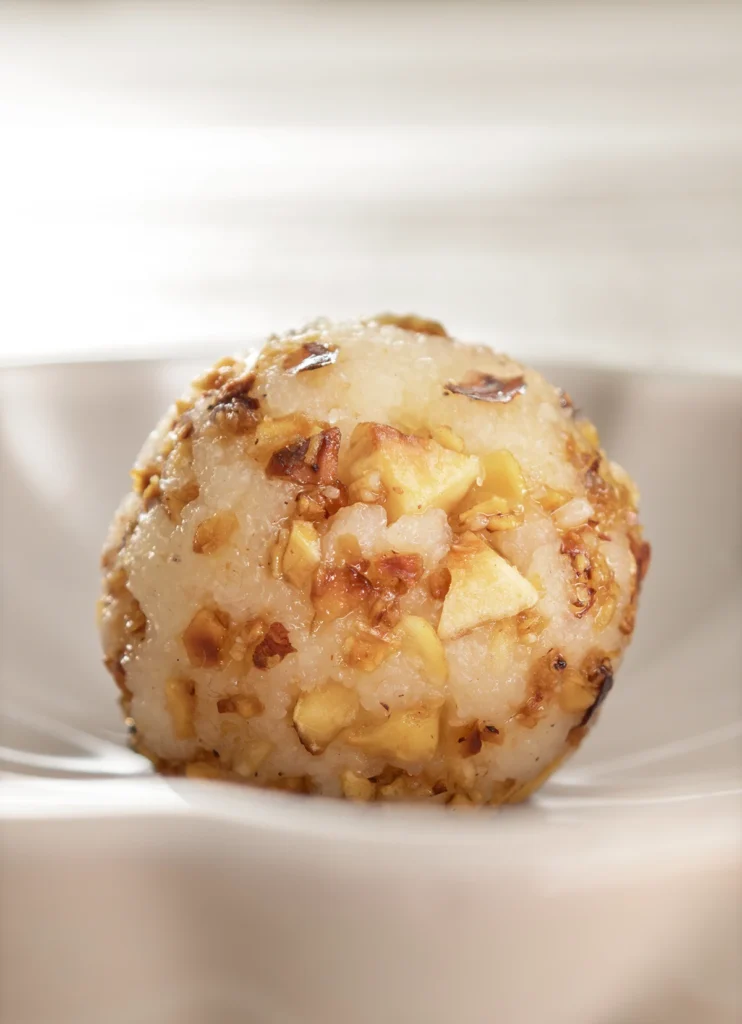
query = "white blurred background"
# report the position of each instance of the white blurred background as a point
(562, 179)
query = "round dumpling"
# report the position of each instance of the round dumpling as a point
(371, 561)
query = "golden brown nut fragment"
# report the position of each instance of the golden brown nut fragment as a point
(273, 648)
(320, 714)
(302, 553)
(214, 532)
(356, 787)
(246, 706)
(180, 695)
(312, 460)
(366, 650)
(205, 637)
(406, 736)
(420, 640)
(338, 591)
(414, 473)
(484, 588)
(235, 411)
(438, 583)
(410, 322)
(251, 756)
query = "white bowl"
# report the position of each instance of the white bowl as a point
(613, 896)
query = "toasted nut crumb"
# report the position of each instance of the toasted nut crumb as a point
(310, 460)
(250, 757)
(217, 376)
(410, 322)
(214, 532)
(573, 514)
(598, 670)
(550, 500)
(274, 647)
(415, 473)
(420, 640)
(485, 588)
(321, 501)
(205, 636)
(447, 438)
(141, 477)
(407, 735)
(152, 492)
(246, 706)
(606, 611)
(277, 551)
(356, 787)
(366, 650)
(247, 638)
(338, 591)
(176, 498)
(180, 695)
(274, 433)
(234, 410)
(302, 554)
(438, 583)
(368, 488)
(491, 515)
(530, 625)
(396, 570)
(320, 714)
(576, 694)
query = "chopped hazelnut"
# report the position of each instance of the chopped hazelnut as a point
(320, 714)
(447, 438)
(439, 581)
(410, 322)
(302, 554)
(273, 648)
(180, 695)
(356, 787)
(175, 498)
(484, 588)
(246, 706)
(250, 756)
(214, 532)
(338, 591)
(310, 460)
(205, 636)
(407, 735)
(420, 640)
(413, 474)
(575, 694)
(366, 650)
